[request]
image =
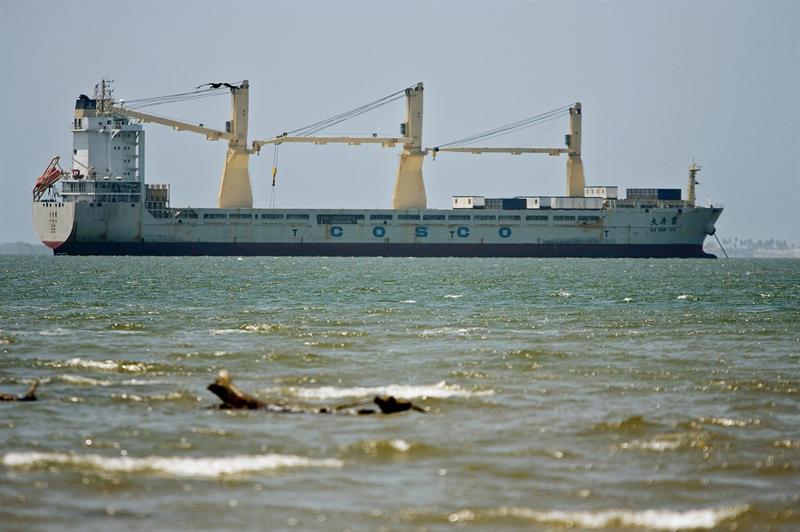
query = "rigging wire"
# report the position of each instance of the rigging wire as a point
(553, 123)
(511, 128)
(337, 119)
(274, 175)
(181, 96)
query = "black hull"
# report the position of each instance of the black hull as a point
(383, 249)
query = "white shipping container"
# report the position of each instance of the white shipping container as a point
(537, 202)
(604, 192)
(468, 202)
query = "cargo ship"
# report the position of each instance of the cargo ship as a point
(103, 205)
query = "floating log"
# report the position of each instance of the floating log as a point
(232, 397)
(30, 395)
(235, 399)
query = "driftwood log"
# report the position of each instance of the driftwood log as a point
(235, 399)
(30, 395)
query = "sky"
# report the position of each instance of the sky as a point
(661, 84)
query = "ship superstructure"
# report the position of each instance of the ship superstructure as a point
(103, 204)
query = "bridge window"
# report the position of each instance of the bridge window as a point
(408, 216)
(297, 217)
(381, 217)
(433, 217)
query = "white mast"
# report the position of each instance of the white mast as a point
(409, 188)
(690, 190)
(235, 191)
(575, 179)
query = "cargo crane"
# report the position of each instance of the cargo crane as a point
(575, 177)
(235, 189)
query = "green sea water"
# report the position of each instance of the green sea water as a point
(563, 393)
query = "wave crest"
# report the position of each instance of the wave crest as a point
(654, 519)
(200, 467)
(440, 390)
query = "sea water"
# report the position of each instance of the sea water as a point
(562, 393)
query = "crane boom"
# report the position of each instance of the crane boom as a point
(512, 151)
(386, 142)
(211, 134)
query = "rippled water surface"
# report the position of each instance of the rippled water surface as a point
(622, 394)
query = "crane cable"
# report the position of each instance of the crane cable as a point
(274, 175)
(179, 97)
(347, 115)
(511, 128)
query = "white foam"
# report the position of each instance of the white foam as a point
(653, 445)
(201, 467)
(399, 445)
(220, 332)
(440, 390)
(83, 381)
(106, 365)
(728, 422)
(457, 331)
(563, 293)
(409, 301)
(453, 296)
(58, 331)
(652, 519)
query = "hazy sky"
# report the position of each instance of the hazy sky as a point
(661, 84)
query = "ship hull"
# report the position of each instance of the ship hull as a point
(84, 228)
(382, 250)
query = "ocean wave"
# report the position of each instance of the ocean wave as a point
(728, 422)
(104, 365)
(440, 390)
(181, 395)
(378, 448)
(58, 331)
(653, 519)
(83, 381)
(450, 331)
(629, 424)
(688, 297)
(664, 443)
(453, 296)
(200, 467)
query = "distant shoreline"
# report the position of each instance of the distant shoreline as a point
(23, 248)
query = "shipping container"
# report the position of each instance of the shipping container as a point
(653, 194)
(605, 192)
(468, 202)
(576, 203)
